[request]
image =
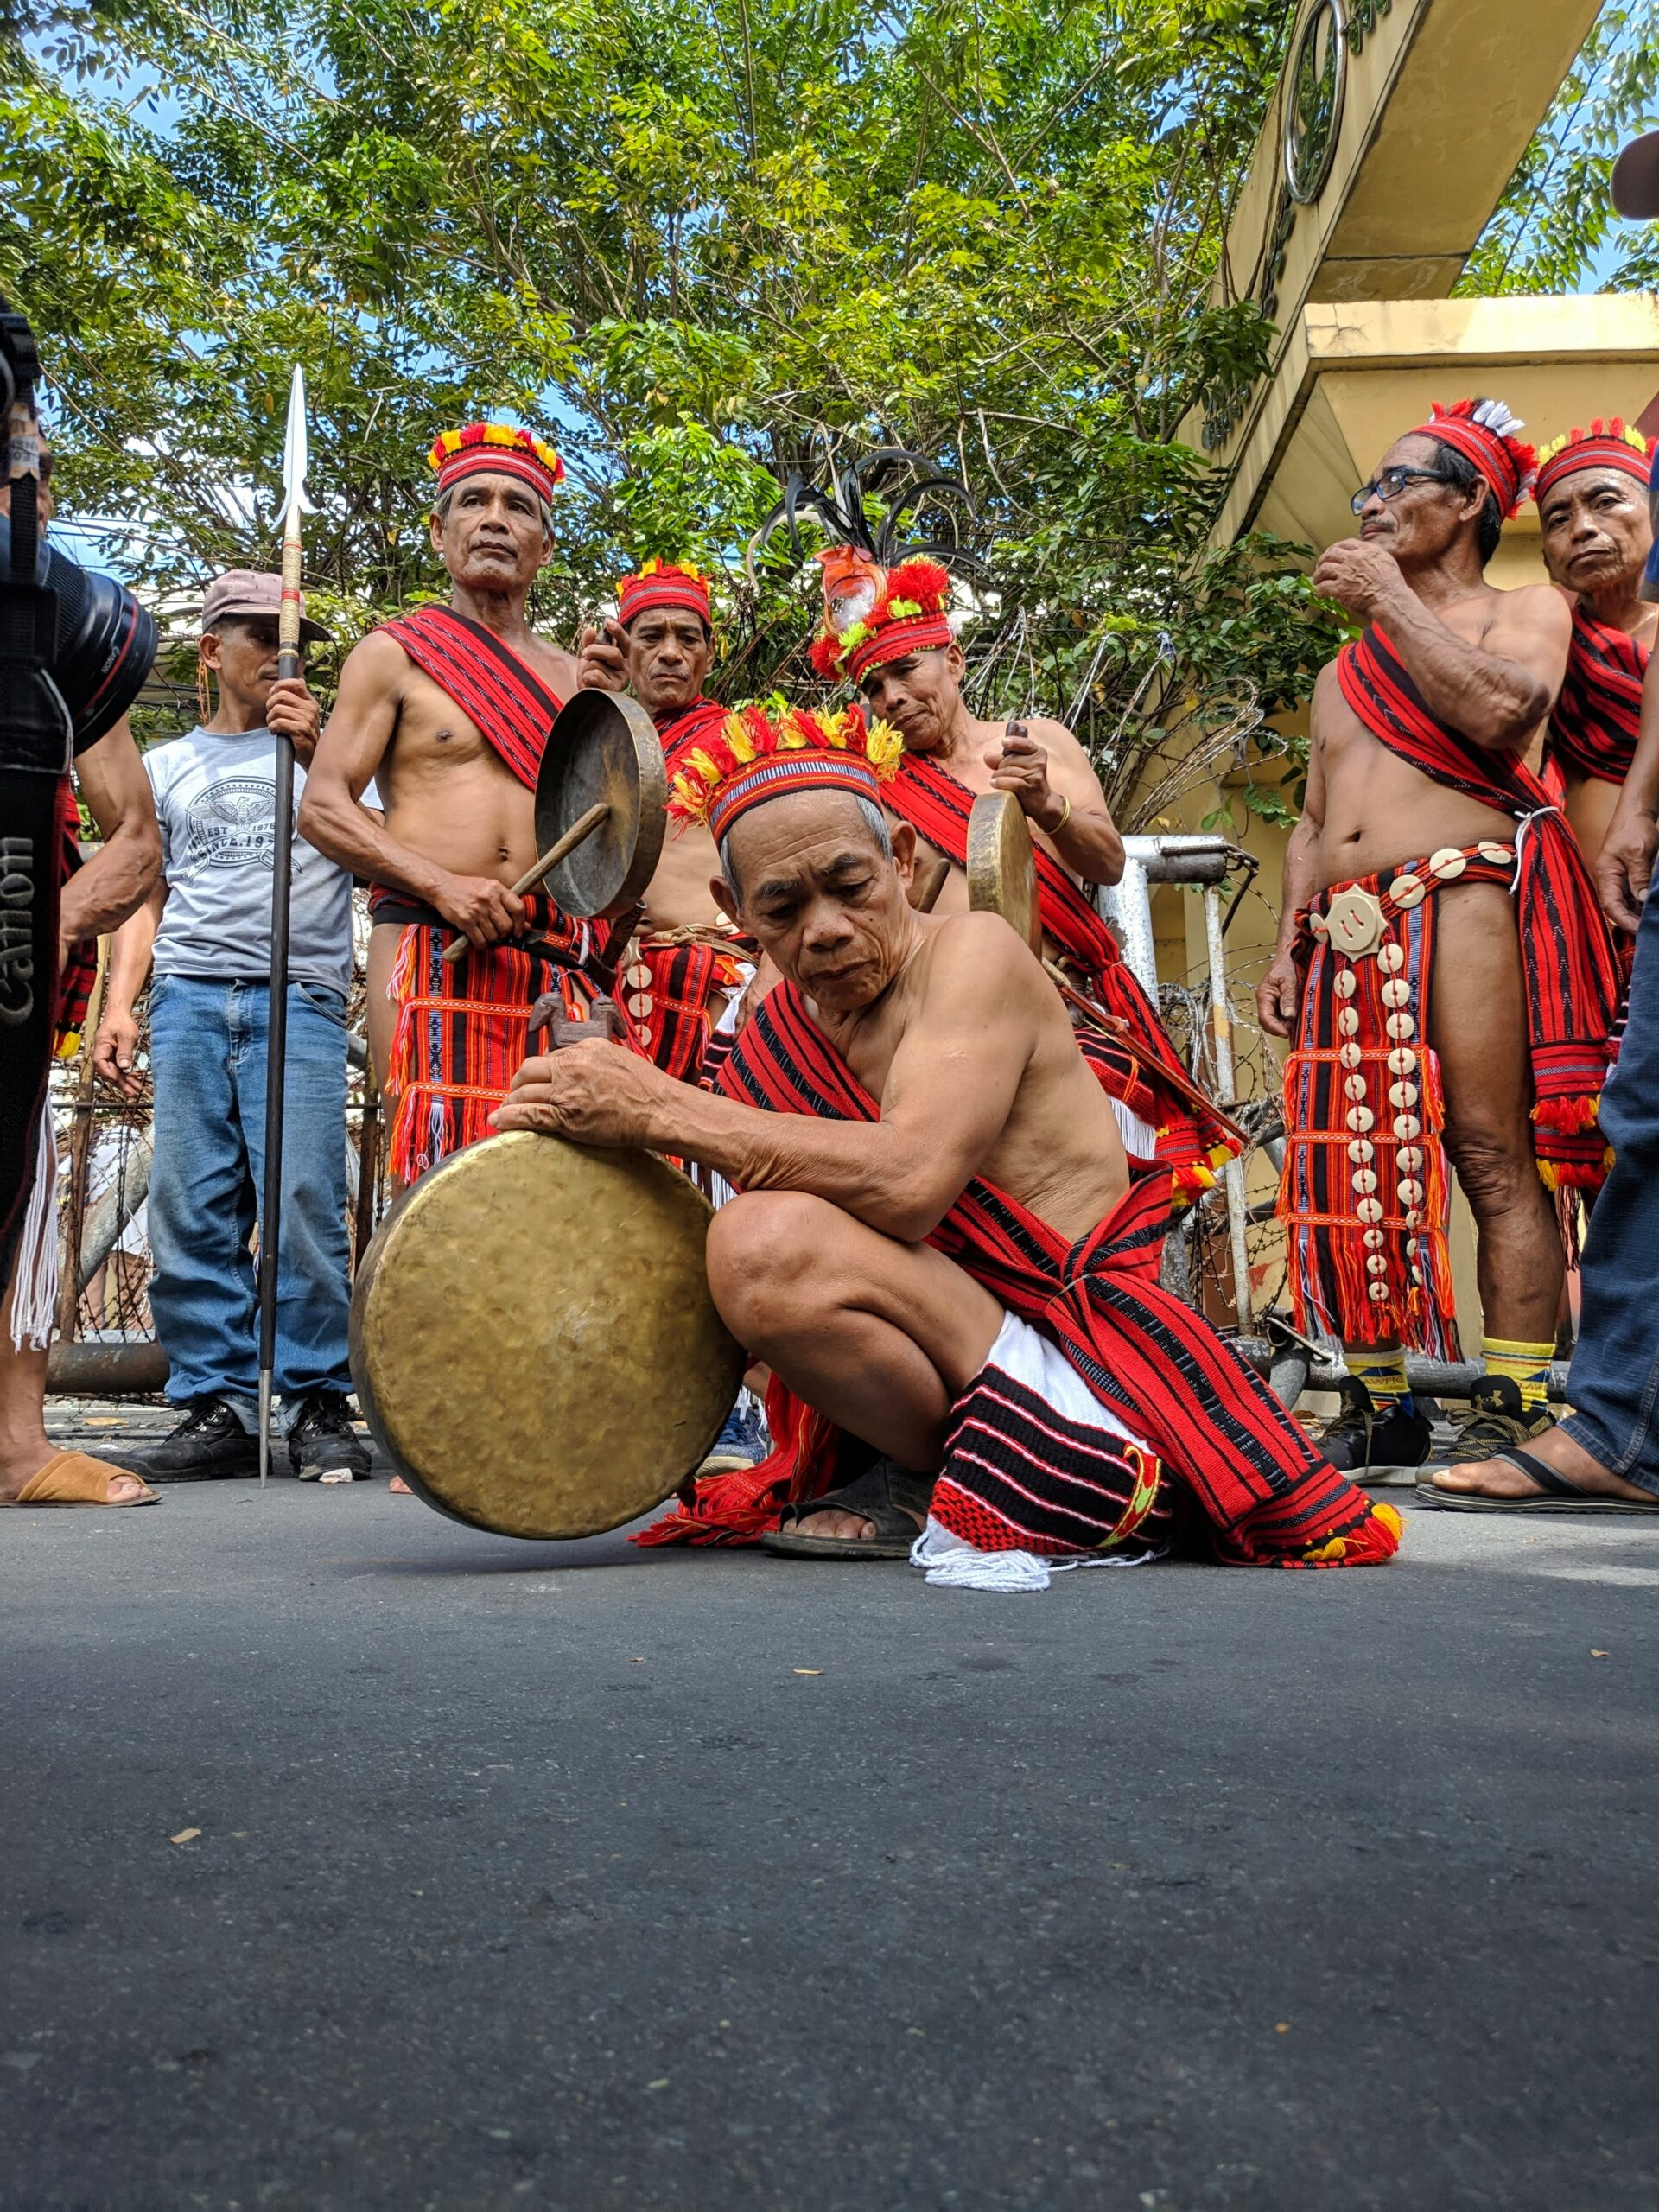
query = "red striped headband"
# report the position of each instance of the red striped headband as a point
(1483, 431)
(1604, 445)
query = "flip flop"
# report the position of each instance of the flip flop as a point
(76, 1478)
(1560, 1494)
(879, 1496)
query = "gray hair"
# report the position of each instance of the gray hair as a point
(874, 821)
(445, 500)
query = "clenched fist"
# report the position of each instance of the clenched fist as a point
(1361, 577)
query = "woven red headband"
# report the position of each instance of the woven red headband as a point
(495, 449)
(791, 772)
(908, 617)
(1483, 431)
(1604, 445)
(661, 584)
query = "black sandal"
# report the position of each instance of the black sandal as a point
(1560, 1494)
(880, 1495)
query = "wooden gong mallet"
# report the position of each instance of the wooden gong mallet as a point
(601, 809)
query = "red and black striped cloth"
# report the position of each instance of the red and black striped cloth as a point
(688, 727)
(1191, 1144)
(1594, 723)
(80, 971)
(1246, 1474)
(492, 687)
(1567, 952)
(461, 1033)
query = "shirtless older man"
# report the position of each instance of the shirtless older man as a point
(448, 709)
(939, 1248)
(1441, 955)
(906, 660)
(1593, 509)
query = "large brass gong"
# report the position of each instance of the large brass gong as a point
(532, 1338)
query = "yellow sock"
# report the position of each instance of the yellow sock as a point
(1526, 1365)
(1383, 1373)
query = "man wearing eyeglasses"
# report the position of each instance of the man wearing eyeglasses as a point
(1442, 963)
(1605, 1455)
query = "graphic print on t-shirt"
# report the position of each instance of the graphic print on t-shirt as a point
(232, 823)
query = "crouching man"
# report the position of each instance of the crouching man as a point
(938, 1249)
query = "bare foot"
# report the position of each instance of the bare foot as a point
(399, 1488)
(1500, 1478)
(846, 1528)
(122, 1487)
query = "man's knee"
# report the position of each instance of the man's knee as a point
(1497, 1172)
(760, 1255)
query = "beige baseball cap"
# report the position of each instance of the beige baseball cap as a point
(247, 591)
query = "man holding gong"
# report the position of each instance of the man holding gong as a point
(938, 1249)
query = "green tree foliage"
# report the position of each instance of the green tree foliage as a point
(685, 244)
(1554, 229)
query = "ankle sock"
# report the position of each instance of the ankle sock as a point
(1383, 1374)
(1526, 1365)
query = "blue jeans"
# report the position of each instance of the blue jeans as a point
(1614, 1382)
(207, 1055)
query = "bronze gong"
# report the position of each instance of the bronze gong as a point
(603, 751)
(532, 1338)
(1001, 868)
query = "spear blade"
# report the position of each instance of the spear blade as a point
(296, 452)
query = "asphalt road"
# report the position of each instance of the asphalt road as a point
(352, 1859)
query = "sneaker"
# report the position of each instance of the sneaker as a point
(322, 1441)
(742, 1443)
(1496, 1422)
(209, 1442)
(1360, 1445)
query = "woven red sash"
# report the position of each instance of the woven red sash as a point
(1191, 1144)
(489, 682)
(1567, 953)
(1594, 727)
(688, 728)
(1265, 1496)
(79, 970)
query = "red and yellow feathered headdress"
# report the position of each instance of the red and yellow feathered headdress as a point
(495, 449)
(762, 751)
(1486, 432)
(1604, 445)
(662, 584)
(908, 617)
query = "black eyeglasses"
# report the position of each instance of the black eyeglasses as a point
(1391, 482)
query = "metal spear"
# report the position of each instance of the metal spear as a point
(287, 664)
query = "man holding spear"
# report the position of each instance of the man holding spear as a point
(250, 931)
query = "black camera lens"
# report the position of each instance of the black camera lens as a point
(107, 641)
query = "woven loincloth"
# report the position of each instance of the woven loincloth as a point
(671, 988)
(461, 1031)
(1363, 1196)
(1034, 1462)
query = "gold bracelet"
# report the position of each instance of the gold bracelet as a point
(1064, 818)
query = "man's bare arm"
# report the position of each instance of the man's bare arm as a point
(950, 1091)
(349, 751)
(334, 819)
(1624, 865)
(121, 874)
(1495, 693)
(115, 1046)
(1277, 993)
(1046, 770)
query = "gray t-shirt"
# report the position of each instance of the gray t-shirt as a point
(216, 801)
